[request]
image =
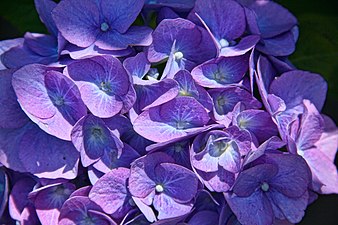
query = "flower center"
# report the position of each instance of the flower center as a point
(243, 123)
(178, 55)
(180, 125)
(221, 101)
(104, 26)
(224, 43)
(59, 101)
(265, 186)
(97, 132)
(105, 87)
(184, 92)
(159, 188)
(178, 148)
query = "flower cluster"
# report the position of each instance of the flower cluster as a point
(161, 112)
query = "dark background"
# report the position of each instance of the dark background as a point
(317, 51)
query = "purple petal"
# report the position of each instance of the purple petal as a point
(226, 19)
(175, 178)
(77, 210)
(292, 208)
(111, 159)
(281, 45)
(76, 52)
(271, 144)
(44, 8)
(110, 191)
(78, 23)
(204, 218)
(311, 129)
(188, 87)
(291, 181)
(272, 18)
(47, 156)
(257, 122)
(256, 204)
(10, 144)
(134, 36)
(243, 46)
(176, 4)
(218, 73)
(137, 66)
(22, 55)
(18, 198)
(300, 85)
(219, 181)
(50, 99)
(127, 133)
(41, 44)
(83, 191)
(145, 209)
(142, 174)
(168, 208)
(48, 202)
(11, 115)
(264, 76)
(230, 160)
(249, 180)
(121, 13)
(323, 171)
(28, 84)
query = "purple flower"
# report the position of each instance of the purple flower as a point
(184, 44)
(156, 180)
(107, 89)
(225, 22)
(92, 138)
(49, 98)
(103, 23)
(217, 155)
(277, 187)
